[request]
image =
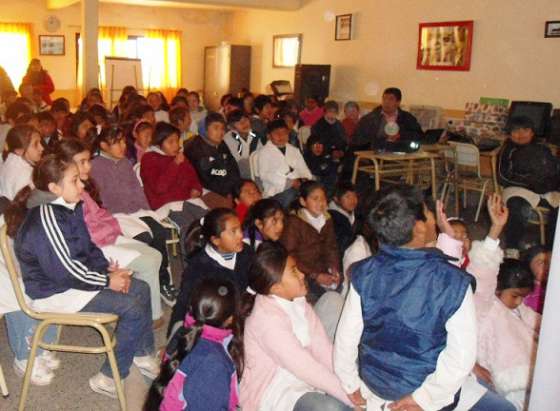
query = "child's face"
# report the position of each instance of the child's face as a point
(315, 203)
(317, 149)
(425, 231)
(193, 102)
(249, 194)
(144, 137)
(215, 133)
(83, 129)
(60, 118)
(292, 285)
(513, 297)
(248, 103)
(243, 126)
(267, 112)
(185, 123)
(117, 149)
(351, 113)
(331, 116)
(154, 100)
(271, 227)
(460, 233)
(35, 149)
(279, 137)
(231, 239)
(310, 104)
(83, 162)
(47, 128)
(348, 201)
(170, 145)
(540, 266)
(522, 136)
(71, 187)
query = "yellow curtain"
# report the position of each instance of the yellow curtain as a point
(112, 42)
(161, 60)
(15, 39)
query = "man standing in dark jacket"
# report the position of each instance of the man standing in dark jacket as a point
(386, 124)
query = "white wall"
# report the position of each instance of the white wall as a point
(511, 58)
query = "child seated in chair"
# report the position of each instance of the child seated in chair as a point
(531, 177)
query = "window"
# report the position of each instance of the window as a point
(286, 50)
(15, 39)
(159, 50)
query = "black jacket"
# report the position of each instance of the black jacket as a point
(344, 231)
(332, 136)
(366, 136)
(531, 166)
(216, 167)
(202, 266)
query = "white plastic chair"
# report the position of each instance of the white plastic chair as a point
(467, 173)
(303, 135)
(3, 385)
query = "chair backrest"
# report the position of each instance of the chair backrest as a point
(253, 164)
(136, 168)
(13, 271)
(467, 156)
(303, 135)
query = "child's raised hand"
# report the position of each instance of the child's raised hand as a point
(442, 222)
(499, 214)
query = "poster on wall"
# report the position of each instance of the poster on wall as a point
(343, 30)
(445, 46)
(51, 45)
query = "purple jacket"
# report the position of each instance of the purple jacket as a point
(118, 185)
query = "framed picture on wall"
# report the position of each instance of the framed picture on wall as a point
(51, 45)
(445, 46)
(552, 29)
(343, 30)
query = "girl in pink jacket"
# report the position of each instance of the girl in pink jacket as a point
(288, 357)
(507, 328)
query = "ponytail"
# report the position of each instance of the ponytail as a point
(201, 232)
(213, 303)
(17, 211)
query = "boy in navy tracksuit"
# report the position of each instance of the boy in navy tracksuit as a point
(407, 335)
(64, 271)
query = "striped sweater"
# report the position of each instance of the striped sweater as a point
(56, 253)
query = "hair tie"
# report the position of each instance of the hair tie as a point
(138, 123)
(223, 291)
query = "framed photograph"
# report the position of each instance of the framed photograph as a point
(445, 46)
(286, 50)
(343, 27)
(51, 45)
(552, 29)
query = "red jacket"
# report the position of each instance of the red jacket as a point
(45, 85)
(166, 181)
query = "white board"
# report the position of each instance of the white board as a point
(121, 72)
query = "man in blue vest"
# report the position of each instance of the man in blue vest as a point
(407, 336)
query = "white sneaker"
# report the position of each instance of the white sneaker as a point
(50, 360)
(102, 384)
(148, 366)
(41, 374)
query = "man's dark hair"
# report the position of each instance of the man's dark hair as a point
(515, 274)
(395, 92)
(396, 213)
(235, 116)
(331, 105)
(520, 122)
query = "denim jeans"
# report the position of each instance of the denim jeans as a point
(491, 401)
(134, 334)
(21, 328)
(316, 401)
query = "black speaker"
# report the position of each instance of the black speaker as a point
(311, 80)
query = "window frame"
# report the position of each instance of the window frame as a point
(279, 37)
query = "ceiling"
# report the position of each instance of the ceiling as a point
(286, 5)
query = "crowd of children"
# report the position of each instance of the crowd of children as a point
(298, 293)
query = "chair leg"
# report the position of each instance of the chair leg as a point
(480, 201)
(3, 385)
(37, 338)
(114, 368)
